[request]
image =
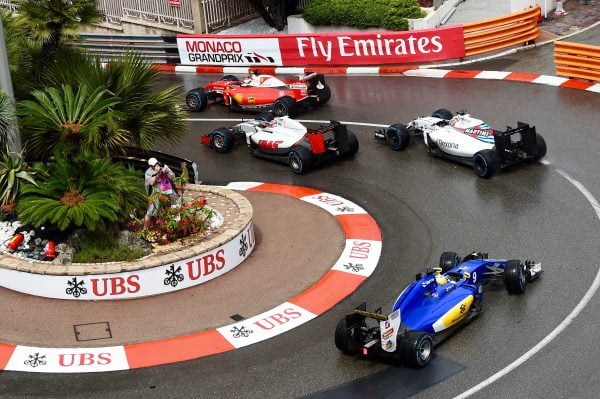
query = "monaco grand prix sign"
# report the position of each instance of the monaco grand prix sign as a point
(369, 48)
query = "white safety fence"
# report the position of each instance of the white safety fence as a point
(173, 15)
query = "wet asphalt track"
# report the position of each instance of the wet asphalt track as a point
(424, 206)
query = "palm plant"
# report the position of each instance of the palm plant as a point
(13, 171)
(83, 190)
(50, 20)
(150, 117)
(79, 119)
(7, 119)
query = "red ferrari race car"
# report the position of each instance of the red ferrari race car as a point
(262, 93)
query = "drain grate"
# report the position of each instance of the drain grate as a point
(92, 331)
(237, 317)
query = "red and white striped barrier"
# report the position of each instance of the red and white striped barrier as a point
(420, 71)
(356, 263)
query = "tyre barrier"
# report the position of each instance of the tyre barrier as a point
(575, 60)
(497, 33)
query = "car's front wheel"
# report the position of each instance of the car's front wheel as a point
(515, 278)
(196, 101)
(300, 160)
(221, 140)
(397, 137)
(416, 349)
(486, 163)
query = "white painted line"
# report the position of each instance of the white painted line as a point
(299, 120)
(564, 324)
(549, 80)
(595, 88)
(235, 70)
(243, 185)
(362, 70)
(427, 73)
(492, 75)
(185, 68)
(290, 70)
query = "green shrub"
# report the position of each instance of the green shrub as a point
(389, 14)
(103, 247)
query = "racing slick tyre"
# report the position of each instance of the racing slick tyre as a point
(397, 137)
(323, 96)
(515, 279)
(416, 349)
(449, 260)
(221, 140)
(540, 145)
(230, 78)
(352, 144)
(442, 113)
(196, 101)
(486, 163)
(285, 105)
(346, 340)
(300, 160)
(265, 117)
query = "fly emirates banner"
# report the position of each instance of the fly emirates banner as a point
(369, 48)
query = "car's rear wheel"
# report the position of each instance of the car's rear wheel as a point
(221, 140)
(449, 260)
(397, 137)
(196, 101)
(300, 160)
(486, 163)
(285, 105)
(540, 144)
(352, 144)
(515, 279)
(416, 349)
(323, 95)
(230, 78)
(347, 341)
(443, 113)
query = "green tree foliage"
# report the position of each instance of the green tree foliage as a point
(150, 117)
(388, 14)
(62, 116)
(49, 21)
(13, 172)
(82, 190)
(7, 119)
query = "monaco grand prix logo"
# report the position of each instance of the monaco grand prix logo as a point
(221, 51)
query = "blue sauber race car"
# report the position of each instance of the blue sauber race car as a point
(431, 308)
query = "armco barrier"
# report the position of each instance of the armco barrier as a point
(502, 32)
(576, 60)
(157, 49)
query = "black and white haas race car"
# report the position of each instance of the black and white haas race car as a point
(286, 140)
(468, 140)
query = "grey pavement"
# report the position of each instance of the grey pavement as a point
(476, 10)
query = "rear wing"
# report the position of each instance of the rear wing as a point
(521, 138)
(360, 313)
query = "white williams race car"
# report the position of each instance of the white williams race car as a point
(468, 140)
(285, 140)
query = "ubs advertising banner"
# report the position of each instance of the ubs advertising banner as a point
(369, 48)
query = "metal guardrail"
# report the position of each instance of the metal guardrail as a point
(575, 60)
(156, 49)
